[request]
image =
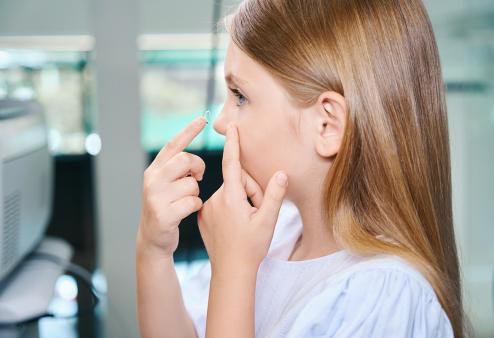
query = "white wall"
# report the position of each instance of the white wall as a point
(52, 17)
(184, 16)
(75, 17)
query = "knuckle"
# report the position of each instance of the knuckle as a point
(201, 161)
(229, 163)
(191, 203)
(184, 157)
(171, 145)
(151, 210)
(225, 163)
(198, 160)
(275, 196)
(198, 203)
(147, 185)
(151, 203)
(198, 164)
(146, 203)
(193, 186)
(147, 174)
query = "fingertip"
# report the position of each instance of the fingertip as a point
(282, 178)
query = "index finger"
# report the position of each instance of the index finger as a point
(180, 141)
(231, 167)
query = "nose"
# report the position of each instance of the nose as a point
(221, 122)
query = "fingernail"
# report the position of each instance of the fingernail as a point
(281, 179)
(198, 120)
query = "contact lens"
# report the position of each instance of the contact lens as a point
(206, 115)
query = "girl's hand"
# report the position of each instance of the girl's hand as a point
(233, 231)
(169, 194)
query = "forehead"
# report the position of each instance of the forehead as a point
(239, 66)
(248, 73)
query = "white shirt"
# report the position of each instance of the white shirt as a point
(338, 295)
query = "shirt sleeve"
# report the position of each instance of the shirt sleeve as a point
(374, 303)
(195, 292)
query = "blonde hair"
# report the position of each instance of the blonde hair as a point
(391, 178)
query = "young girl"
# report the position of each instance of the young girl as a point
(345, 101)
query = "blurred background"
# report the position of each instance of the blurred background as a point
(115, 79)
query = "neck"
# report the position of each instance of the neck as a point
(317, 237)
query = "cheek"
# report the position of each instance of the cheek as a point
(261, 154)
(250, 154)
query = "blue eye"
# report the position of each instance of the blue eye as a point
(240, 97)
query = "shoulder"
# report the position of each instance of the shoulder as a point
(388, 271)
(379, 296)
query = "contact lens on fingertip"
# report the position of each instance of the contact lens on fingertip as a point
(206, 115)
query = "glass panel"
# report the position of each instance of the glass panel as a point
(174, 91)
(60, 81)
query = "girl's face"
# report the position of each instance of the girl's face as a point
(265, 119)
(277, 134)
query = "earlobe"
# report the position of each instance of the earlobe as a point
(328, 145)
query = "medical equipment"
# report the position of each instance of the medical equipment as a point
(26, 181)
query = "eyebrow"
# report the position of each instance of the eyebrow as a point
(232, 78)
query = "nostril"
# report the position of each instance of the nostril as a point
(218, 127)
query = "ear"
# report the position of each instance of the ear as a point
(331, 112)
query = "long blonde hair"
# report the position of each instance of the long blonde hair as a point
(391, 178)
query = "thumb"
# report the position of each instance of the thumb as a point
(252, 189)
(273, 198)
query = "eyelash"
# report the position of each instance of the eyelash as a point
(239, 95)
